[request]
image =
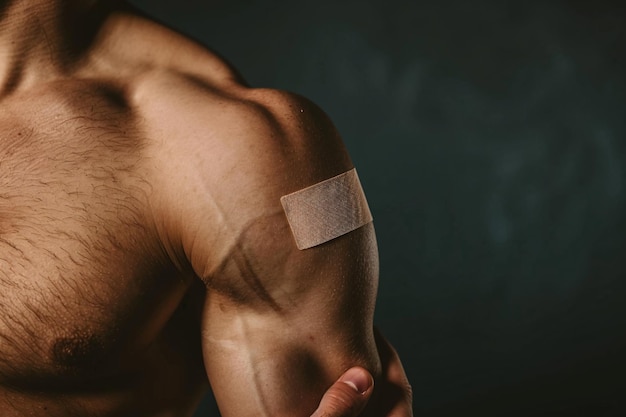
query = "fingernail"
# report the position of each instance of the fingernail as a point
(358, 378)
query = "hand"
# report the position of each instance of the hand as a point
(349, 395)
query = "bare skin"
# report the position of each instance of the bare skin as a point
(142, 243)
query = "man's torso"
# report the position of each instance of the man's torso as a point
(92, 309)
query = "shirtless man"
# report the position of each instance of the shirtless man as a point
(143, 246)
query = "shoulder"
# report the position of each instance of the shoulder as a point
(289, 135)
(214, 127)
(187, 96)
(223, 155)
(217, 153)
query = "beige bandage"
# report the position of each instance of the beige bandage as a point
(326, 210)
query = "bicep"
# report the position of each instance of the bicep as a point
(291, 322)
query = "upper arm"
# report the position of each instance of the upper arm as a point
(279, 324)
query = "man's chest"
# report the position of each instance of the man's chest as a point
(84, 286)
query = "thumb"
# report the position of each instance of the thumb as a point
(348, 396)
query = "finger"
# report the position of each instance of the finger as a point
(392, 366)
(396, 390)
(348, 396)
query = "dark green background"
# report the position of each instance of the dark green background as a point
(490, 138)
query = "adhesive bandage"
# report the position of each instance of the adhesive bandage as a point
(326, 210)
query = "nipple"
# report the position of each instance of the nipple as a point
(80, 349)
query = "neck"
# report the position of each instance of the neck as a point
(42, 38)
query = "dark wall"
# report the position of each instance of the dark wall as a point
(490, 137)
